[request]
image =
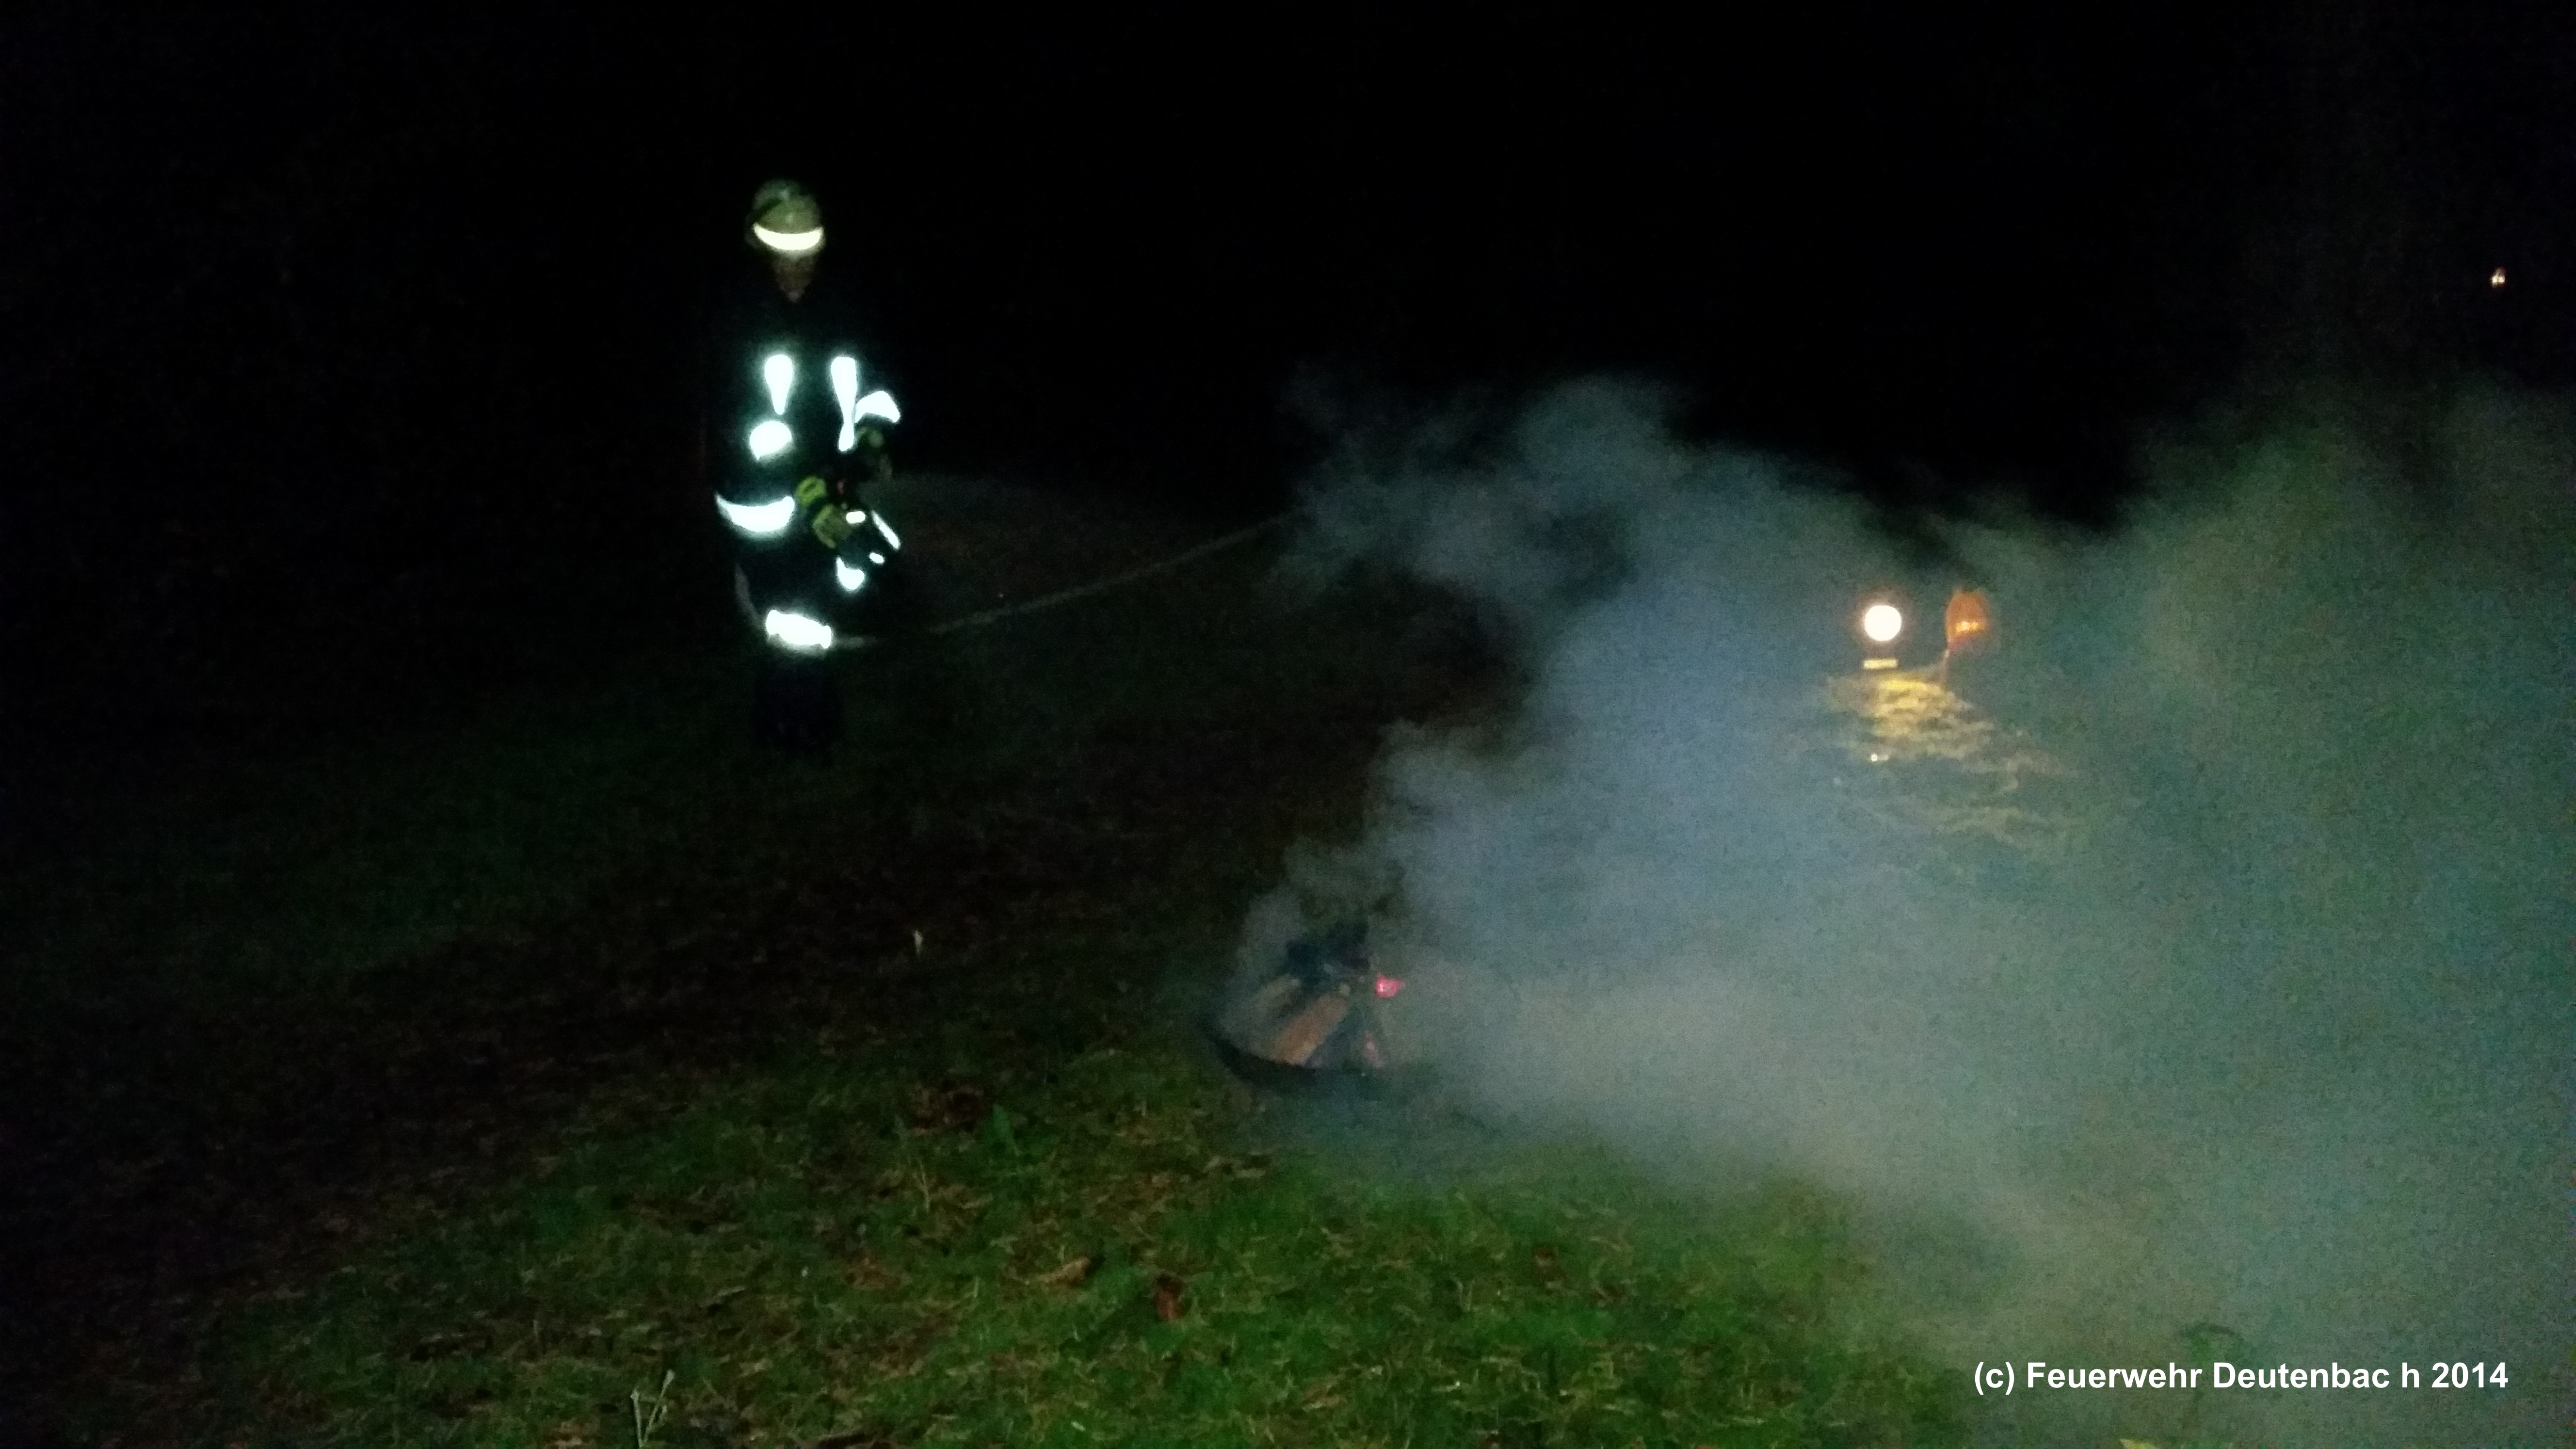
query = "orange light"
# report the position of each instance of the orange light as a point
(1967, 619)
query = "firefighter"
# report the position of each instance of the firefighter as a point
(797, 436)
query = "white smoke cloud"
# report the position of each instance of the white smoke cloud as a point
(2217, 975)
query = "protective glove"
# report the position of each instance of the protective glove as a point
(832, 526)
(825, 514)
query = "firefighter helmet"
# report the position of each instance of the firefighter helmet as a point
(785, 220)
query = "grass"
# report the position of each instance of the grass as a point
(810, 1257)
(521, 1083)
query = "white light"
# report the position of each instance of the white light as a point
(760, 520)
(878, 404)
(850, 579)
(878, 559)
(845, 386)
(1881, 622)
(788, 243)
(888, 530)
(779, 371)
(795, 631)
(769, 438)
(2497, 280)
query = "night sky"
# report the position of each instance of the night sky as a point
(326, 332)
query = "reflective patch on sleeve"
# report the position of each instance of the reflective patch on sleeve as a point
(760, 520)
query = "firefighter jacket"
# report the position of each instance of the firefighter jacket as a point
(794, 431)
(797, 415)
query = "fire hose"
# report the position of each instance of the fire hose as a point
(1081, 591)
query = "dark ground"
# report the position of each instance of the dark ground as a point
(192, 1136)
